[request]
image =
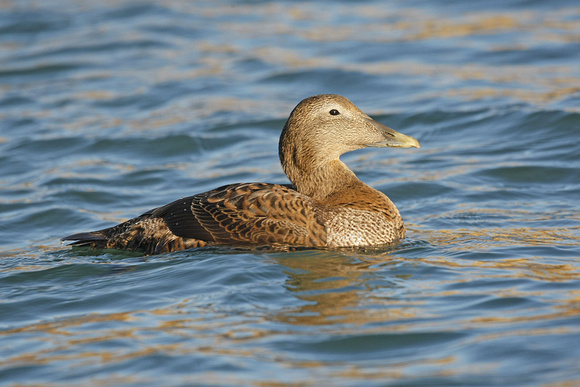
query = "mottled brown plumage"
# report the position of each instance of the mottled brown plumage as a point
(326, 205)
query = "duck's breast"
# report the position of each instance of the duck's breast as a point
(355, 227)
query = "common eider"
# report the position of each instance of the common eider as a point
(325, 206)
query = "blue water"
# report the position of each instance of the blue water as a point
(108, 109)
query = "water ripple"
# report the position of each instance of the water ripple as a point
(109, 110)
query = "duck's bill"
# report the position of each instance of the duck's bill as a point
(394, 139)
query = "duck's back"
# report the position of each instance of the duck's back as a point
(251, 214)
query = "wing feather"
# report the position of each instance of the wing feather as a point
(259, 213)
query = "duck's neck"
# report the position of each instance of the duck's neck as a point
(311, 161)
(320, 179)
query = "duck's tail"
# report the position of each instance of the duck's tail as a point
(96, 239)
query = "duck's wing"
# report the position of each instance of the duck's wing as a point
(250, 214)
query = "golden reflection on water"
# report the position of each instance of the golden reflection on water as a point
(332, 288)
(369, 289)
(494, 237)
(337, 288)
(534, 84)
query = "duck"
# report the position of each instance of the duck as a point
(324, 206)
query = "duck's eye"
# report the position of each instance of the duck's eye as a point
(334, 112)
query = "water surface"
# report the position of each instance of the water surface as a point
(110, 109)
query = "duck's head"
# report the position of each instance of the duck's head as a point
(323, 127)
